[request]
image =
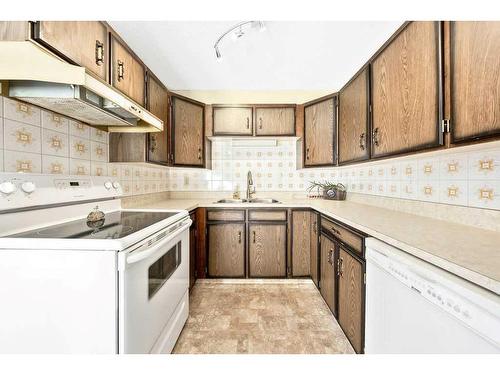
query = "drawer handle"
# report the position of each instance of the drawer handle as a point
(248, 122)
(121, 70)
(375, 136)
(362, 141)
(254, 235)
(99, 53)
(239, 236)
(260, 123)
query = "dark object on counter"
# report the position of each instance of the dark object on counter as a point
(95, 219)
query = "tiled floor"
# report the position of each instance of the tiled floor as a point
(268, 317)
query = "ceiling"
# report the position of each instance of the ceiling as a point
(287, 55)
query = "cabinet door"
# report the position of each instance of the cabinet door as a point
(127, 73)
(267, 250)
(83, 42)
(192, 251)
(351, 295)
(327, 278)
(188, 133)
(319, 133)
(158, 143)
(353, 120)
(127, 147)
(232, 120)
(275, 121)
(301, 243)
(226, 250)
(314, 248)
(405, 92)
(475, 80)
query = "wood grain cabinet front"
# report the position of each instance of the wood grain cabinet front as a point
(127, 72)
(85, 43)
(226, 249)
(314, 255)
(319, 133)
(328, 282)
(353, 127)
(475, 80)
(301, 243)
(275, 121)
(232, 120)
(267, 250)
(405, 90)
(351, 291)
(157, 103)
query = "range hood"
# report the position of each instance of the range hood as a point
(43, 79)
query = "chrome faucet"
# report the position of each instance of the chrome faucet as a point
(250, 185)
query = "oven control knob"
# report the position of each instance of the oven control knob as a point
(116, 184)
(108, 185)
(28, 187)
(7, 187)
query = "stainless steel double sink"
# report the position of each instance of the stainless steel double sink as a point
(252, 200)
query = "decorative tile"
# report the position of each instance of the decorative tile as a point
(408, 170)
(79, 167)
(126, 186)
(25, 162)
(98, 135)
(98, 169)
(78, 129)
(21, 137)
(428, 169)
(114, 170)
(55, 165)
(453, 167)
(484, 164)
(55, 122)
(484, 194)
(22, 112)
(126, 172)
(428, 191)
(55, 143)
(79, 148)
(408, 189)
(99, 151)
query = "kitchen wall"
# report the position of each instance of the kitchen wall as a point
(33, 140)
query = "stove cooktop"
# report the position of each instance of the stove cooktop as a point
(115, 225)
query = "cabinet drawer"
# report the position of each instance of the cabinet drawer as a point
(354, 240)
(226, 215)
(267, 215)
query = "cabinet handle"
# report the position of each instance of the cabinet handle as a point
(307, 153)
(362, 141)
(335, 231)
(199, 153)
(121, 70)
(99, 53)
(153, 143)
(260, 123)
(341, 267)
(239, 236)
(330, 261)
(376, 141)
(248, 122)
(254, 235)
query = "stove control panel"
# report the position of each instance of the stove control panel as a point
(18, 190)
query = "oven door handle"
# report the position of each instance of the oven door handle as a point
(138, 255)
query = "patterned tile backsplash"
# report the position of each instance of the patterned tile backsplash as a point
(34, 140)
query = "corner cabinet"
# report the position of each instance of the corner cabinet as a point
(84, 43)
(188, 132)
(353, 127)
(128, 74)
(406, 92)
(319, 133)
(475, 80)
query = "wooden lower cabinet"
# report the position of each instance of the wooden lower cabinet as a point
(314, 248)
(192, 250)
(226, 249)
(328, 278)
(301, 243)
(351, 290)
(267, 250)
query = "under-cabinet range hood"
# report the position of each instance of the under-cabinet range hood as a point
(42, 79)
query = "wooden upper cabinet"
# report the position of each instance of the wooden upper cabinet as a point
(226, 250)
(405, 83)
(275, 121)
(327, 276)
(188, 132)
(351, 296)
(127, 72)
(319, 133)
(353, 120)
(232, 121)
(301, 243)
(267, 250)
(475, 80)
(85, 43)
(158, 142)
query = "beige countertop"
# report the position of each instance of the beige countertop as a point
(466, 251)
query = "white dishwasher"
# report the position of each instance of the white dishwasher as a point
(415, 307)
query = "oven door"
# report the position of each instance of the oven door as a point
(153, 279)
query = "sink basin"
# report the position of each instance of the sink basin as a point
(231, 200)
(253, 200)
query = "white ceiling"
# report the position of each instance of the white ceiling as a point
(286, 56)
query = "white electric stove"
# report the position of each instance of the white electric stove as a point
(116, 285)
